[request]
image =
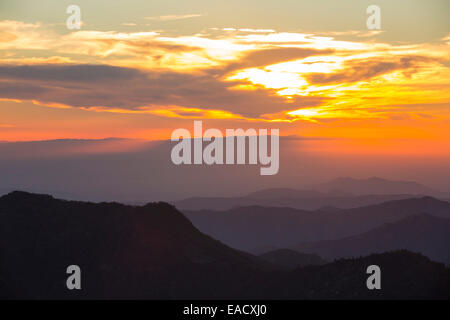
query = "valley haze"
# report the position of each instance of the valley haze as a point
(138, 171)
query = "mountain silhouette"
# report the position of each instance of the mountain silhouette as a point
(341, 193)
(375, 185)
(298, 199)
(154, 252)
(252, 227)
(291, 259)
(124, 251)
(286, 193)
(404, 275)
(421, 233)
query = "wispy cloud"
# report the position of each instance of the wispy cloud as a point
(101, 88)
(175, 17)
(248, 73)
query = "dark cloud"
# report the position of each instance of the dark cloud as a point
(366, 69)
(128, 88)
(67, 73)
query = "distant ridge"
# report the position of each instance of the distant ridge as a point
(274, 193)
(298, 199)
(423, 233)
(341, 193)
(291, 259)
(374, 185)
(251, 227)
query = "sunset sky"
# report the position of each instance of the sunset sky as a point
(140, 69)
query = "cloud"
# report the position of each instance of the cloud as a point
(365, 69)
(110, 87)
(174, 17)
(239, 73)
(268, 56)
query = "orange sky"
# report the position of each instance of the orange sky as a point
(364, 93)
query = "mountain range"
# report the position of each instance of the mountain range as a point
(340, 193)
(298, 199)
(252, 227)
(374, 185)
(422, 233)
(154, 252)
(291, 259)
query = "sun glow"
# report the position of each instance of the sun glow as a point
(304, 112)
(270, 79)
(236, 74)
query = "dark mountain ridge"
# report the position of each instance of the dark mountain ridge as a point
(375, 185)
(344, 193)
(118, 247)
(291, 259)
(346, 279)
(255, 226)
(301, 202)
(154, 252)
(421, 233)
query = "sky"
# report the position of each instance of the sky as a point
(141, 69)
